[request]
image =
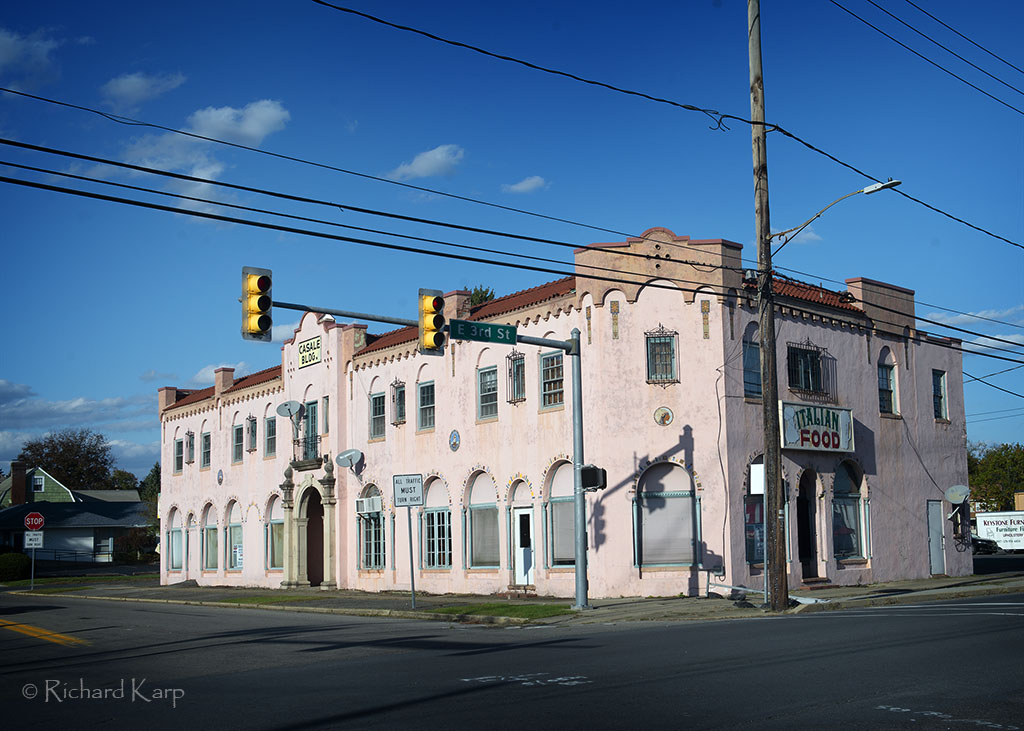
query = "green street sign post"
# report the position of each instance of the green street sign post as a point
(485, 332)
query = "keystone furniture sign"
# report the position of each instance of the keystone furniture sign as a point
(1006, 529)
(309, 352)
(817, 428)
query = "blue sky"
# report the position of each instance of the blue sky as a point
(104, 303)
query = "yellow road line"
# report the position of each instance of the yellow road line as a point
(42, 634)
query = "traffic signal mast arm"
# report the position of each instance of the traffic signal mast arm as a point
(345, 313)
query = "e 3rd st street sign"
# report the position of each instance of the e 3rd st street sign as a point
(485, 332)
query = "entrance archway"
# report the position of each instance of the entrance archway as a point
(314, 538)
(806, 519)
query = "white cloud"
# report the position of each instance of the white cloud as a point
(986, 344)
(153, 375)
(526, 185)
(439, 161)
(247, 126)
(204, 376)
(807, 236)
(27, 60)
(129, 90)
(285, 331)
(1013, 314)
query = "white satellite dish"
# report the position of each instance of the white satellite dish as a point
(291, 409)
(957, 494)
(349, 458)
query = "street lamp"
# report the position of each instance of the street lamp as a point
(775, 547)
(890, 183)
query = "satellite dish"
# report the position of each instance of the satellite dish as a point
(957, 494)
(291, 409)
(349, 458)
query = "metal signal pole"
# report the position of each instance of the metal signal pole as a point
(775, 570)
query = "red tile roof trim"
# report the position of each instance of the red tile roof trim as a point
(253, 379)
(811, 293)
(515, 301)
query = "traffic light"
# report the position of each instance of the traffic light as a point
(257, 302)
(431, 322)
(593, 478)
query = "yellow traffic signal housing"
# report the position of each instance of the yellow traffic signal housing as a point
(431, 322)
(257, 303)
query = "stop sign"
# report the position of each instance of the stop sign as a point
(34, 521)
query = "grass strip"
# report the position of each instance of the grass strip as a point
(500, 609)
(84, 580)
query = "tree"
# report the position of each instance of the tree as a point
(480, 294)
(80, 459)
(149, 491)
(995, 474)
(123, 480)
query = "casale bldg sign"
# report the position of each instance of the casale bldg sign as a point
(818, 428)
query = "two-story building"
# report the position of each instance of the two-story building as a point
(873, 434)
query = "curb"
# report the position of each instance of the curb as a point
(349, 611)
(909, 598)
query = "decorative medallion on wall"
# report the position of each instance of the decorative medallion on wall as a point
(663, 416)
(220, 477)
(454, 440)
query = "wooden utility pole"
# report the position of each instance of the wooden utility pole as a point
(775, 570)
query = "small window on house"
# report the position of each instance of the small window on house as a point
(37, 484)
(751, 363)
(425, 410)
(551, 386)
(204, 449)
(397, 402)
(487, 393)
(270, 436)
(250, 428)
(886, 383)
(939, 395)
(661, 356)
(237, 443)
(516, 363)
(179, 455)
(377, 416)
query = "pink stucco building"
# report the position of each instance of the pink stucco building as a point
(873, 423)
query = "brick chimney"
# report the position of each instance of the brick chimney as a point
(459, 304)
(223, 379)
(19, 496)
(168, 395)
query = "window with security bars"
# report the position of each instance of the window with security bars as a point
(811, 371)
(516, 390)
(397, 402)
(250, 429)
(377, 416)
(551, 380)
(661, 356)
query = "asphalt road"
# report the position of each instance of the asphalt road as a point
(937, 666)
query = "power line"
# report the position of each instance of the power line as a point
(992, 385)
(990, 375)
(997, 418)
(947, 50)
(998, 58)
(307, 219)
(924, 58)
(997, 411)
(719, 117)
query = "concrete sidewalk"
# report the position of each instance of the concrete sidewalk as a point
(628, 609)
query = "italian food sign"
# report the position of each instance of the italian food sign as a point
(818, 428)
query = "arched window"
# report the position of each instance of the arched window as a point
(664, 516)
(371, 529)
(436, 527)
(174, 541)
(210, 539)
(234, 537)
(275, 534)
(561, 511)
(847, 535)
(753, 512)
(751, 362)
(483, 522)
(887, 383)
